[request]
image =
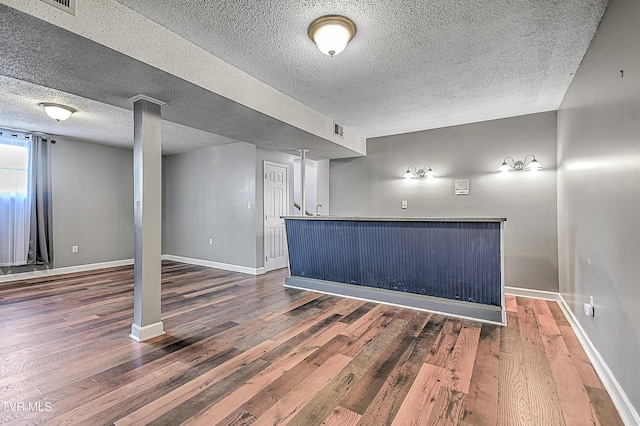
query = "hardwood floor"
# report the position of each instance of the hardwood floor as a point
(244, 350)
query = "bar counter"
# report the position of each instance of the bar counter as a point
(441, 264)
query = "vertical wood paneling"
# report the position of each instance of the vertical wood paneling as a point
(453, 260)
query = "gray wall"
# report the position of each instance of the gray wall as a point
(275, 157)
(207, 194)
(322, 182)
(316, 185)
(599, 193)
(163, 248)
(373, 186)
(92, 202)
(311, 185)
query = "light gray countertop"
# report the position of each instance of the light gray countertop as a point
(399, 219)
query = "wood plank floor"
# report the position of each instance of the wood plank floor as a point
(243, 350)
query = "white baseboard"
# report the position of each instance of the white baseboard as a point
(626, 410)
(140, 334)
(532, 294)
(64, 270)
(217, 265)
(124, 262)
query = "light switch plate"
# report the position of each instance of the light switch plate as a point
(404, 204)
(588, 309)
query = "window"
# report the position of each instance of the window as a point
(14, 164)
(15, 199)
(26, 220)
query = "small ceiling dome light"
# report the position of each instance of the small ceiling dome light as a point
(331, 33)
(56, 111)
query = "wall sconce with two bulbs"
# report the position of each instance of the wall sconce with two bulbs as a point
(422, 173)
(527, 165)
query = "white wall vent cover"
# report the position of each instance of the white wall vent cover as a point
(462, 186)
(66, 5)
(337, 129)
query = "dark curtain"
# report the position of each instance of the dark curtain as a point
(41, 230)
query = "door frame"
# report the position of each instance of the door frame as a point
(264, 209)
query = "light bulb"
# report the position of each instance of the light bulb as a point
(504, 168)
(534, 166)
(331, 39)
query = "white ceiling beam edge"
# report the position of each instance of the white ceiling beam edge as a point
(148, 42)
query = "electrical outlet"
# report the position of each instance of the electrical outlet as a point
(210, 241)
(249, 205)
(404, 204)
(74, 249)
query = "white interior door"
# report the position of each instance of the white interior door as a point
(276, 204)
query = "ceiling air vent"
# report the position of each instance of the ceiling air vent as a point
(337, 129)
(66, 5)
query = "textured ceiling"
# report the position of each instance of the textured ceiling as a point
(93, 122)
(413, 65)
(45, 63)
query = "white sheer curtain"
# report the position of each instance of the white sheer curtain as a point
(15, 198)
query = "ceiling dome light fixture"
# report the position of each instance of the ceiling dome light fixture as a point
(331, 33)
(56, 111)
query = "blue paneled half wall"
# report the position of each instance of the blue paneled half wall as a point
(455, 259)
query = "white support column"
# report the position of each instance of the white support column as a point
(147, 175)
(303, 182)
